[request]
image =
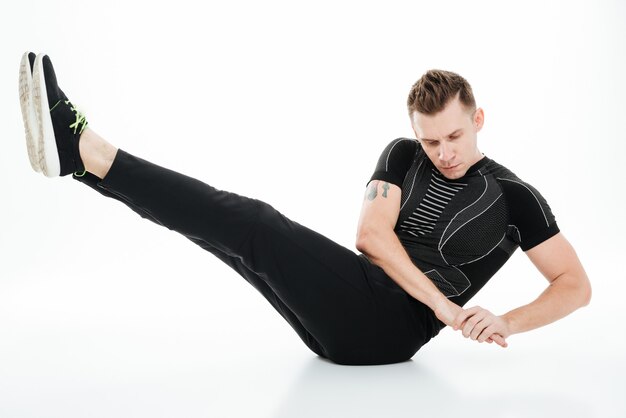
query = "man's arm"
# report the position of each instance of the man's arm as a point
(569, 289)
(378, 241)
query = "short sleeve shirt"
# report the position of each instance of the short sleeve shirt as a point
(460, 232)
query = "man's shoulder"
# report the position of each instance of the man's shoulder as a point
(510, 182)
(400, 152)
(516, 190)
(395, 160)
(529, 212)
(499, 171)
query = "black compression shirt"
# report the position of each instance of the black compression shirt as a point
(460, 232)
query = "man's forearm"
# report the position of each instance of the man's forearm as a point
(563, 296)
(384, 249)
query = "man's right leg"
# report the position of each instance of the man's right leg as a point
(102, 166)
(326, 286)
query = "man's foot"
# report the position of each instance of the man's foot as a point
(58, 123)
(28, 108)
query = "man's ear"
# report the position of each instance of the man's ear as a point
(479, 119)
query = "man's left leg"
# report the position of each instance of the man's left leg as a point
(235, 263)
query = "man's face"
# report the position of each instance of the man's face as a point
(449, 138)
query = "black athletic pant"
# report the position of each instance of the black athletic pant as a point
(341, 305)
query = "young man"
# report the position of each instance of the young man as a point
(441, 218)
(426, 242)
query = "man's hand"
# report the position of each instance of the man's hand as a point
(481, 325)
(447, 311)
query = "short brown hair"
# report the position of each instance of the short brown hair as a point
(432, 92)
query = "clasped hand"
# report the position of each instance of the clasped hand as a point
(476, 323)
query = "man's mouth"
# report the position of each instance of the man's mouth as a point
(449, 168)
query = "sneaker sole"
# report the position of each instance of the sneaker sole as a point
(48, 154)
(28, 112)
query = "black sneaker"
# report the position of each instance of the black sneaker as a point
(59, 123)
(28, 109)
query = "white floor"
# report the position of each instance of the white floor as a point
(117, 347)
(162, 381)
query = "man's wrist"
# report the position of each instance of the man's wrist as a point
(439, 302)
(510, 323)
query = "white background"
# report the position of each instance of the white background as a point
(105, 314)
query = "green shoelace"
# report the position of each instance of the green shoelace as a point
(80, 121)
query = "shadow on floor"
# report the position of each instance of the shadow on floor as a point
(324, 389)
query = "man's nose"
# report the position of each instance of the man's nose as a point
(445, 152)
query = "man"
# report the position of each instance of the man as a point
(347, 307)
(460, 216)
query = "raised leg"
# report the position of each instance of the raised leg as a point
(341, 306)
(235, 263)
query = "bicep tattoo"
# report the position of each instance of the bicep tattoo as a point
(372, 190)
